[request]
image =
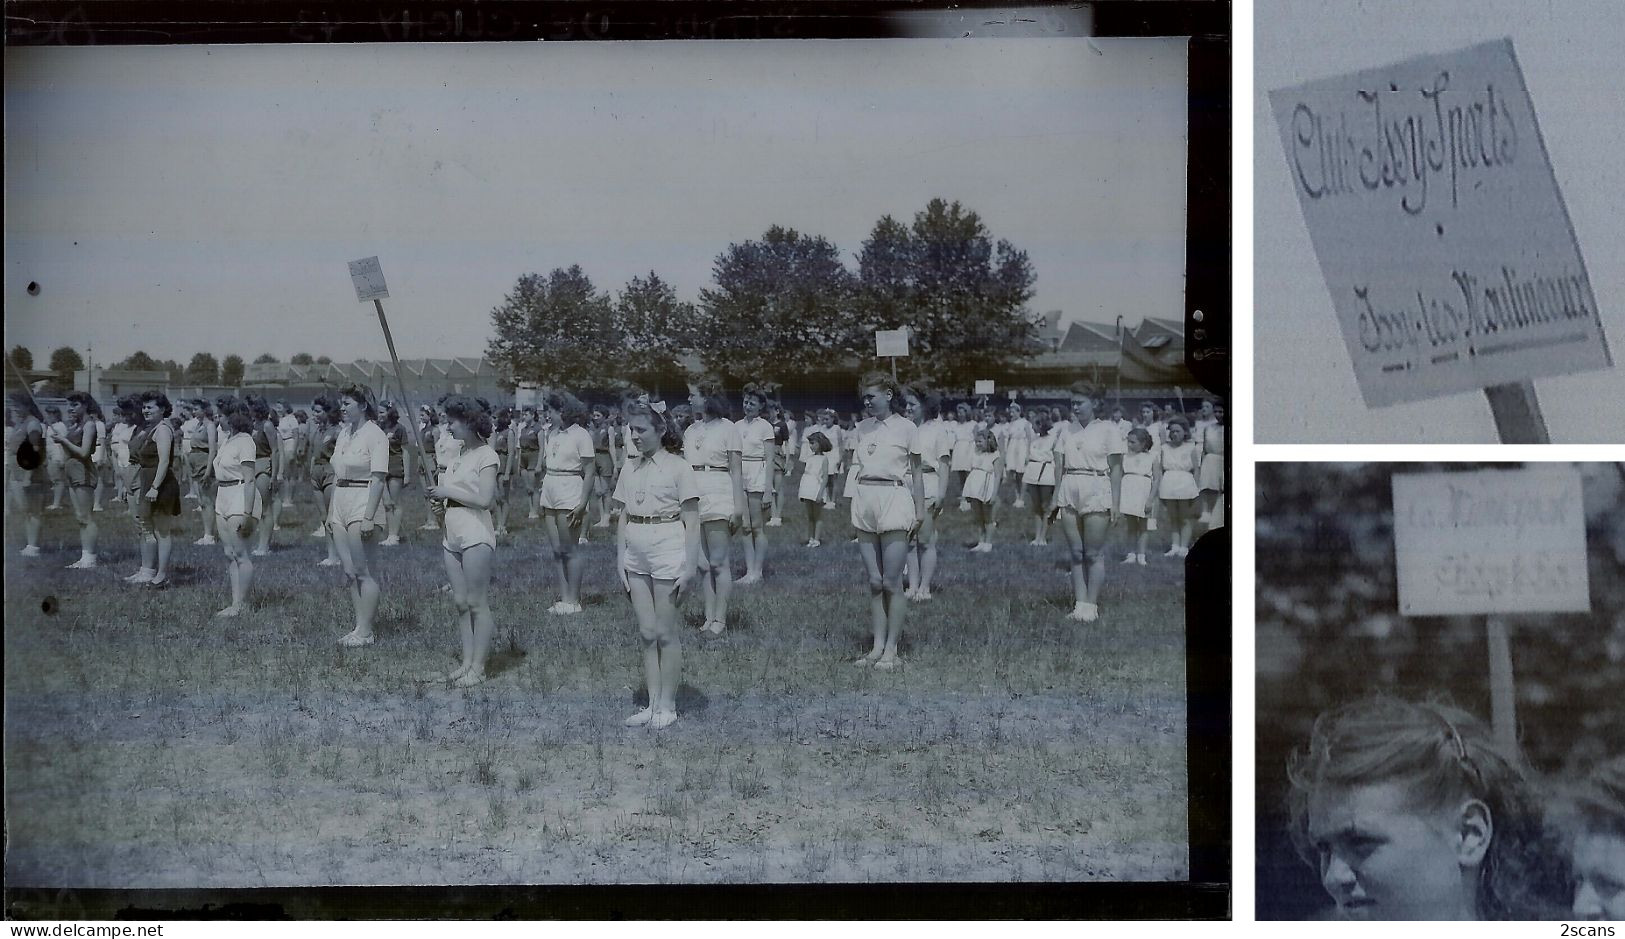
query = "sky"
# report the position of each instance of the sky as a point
(184, 199)
(1304, 389)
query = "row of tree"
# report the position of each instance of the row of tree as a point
(203, 369)
(785, 306)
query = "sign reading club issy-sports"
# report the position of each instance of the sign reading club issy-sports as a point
(1440, 230)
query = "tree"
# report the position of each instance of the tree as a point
(782, 306)
(65, 361)
(302, 358)
(231, 371)
(265, 358)
(140, 361)
(962, 295)
(177, 374)
(22, 358)
(655, 329)
(556, 330)
(203, 370)
(324, 360)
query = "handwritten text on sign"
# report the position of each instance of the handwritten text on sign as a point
(369, 280)
(1432, 206)
(1498, 541)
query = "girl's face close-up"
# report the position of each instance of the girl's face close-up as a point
(1136, 444)
(1599, 876)
(1148, 414)
(644, 434)
(1083, 410)
(76, 411)
(915, 409)
(876, 403)
(350, 409)
(150, 412)
(752, 406)
(696, 401)
(1207, 409)
(1176, 434)
(1383, 858)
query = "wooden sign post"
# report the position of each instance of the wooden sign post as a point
(1492, 542)
(368, 277)
(1431, 203)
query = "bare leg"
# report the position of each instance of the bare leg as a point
(869, 551)
(717, 572)
(893, 548)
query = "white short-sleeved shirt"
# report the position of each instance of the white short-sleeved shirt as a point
(932, 443)
(359, 455)
(466, 468)
(755, 438)
(1043, 448)
(287, 427)
(656, 485)
(1184, 458)
(708, 443)
(1020, 429)
(446, 447)
(884, 451)
(1091, 446)
(230, 457)
(568, 447)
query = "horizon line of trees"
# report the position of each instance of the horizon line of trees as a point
(784, 306)
(203, 369)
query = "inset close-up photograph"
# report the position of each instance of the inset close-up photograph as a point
(1437, 250)
(1440, 653)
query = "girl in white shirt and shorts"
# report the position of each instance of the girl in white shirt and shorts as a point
(236, 502)
(360, 466)
(712, 446)
(887, 507)
(756, 447)
(934, 447)
(568, 458)
(468, 489)
(657, 552)
(1088, 488)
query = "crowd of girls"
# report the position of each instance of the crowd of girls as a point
(1413, 811)
(241, 461)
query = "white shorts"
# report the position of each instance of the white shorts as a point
(934, 486)
(1178, 484)
(755, 473)
(963, 457)
(716, 495)
(881, 508)
(349, 506)
(466, 528)
(1039, 474)
(1015, 455)
(1212, 477)
(812, 486)
(1085, 493)
(241, 499)
(981, 486)
(658, 550)
(1136, 492)
(561, 491)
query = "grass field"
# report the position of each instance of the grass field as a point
(150, 745)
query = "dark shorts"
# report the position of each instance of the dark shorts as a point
(169, 494)
(603, 464)
(321, 475)
(198, 463)
(80, 475)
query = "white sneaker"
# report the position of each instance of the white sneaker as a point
(775, 522)
(639, 719)
(142, 576)
(319, 533)
(1129, 558)
(964, 506)
(1091, 612)
(1184, 552)
(921, 596)
(1171, 553)
(663, 719)
(1139, 559)
(814, 543)
(982, 548)
(533, 516)
(581, 540)
(85, 561)
(328, 562)
(189, 495)
(260, 553)
(31, 551)
(205, 540)
(389, 542)
(828, 504)
(286, 504)
(1019, 504)
(96, 509)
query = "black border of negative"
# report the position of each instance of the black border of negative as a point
(1206, 895)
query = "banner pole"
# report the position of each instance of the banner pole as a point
(410, 418)
(1503, 700)
(1517, 413)
(27, 389)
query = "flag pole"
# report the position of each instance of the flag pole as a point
(410, 419)
(27, 389)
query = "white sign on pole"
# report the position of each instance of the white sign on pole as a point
(1493, 541)
(983, 387)
(369, 280)
(891, 342)
(1443, 238)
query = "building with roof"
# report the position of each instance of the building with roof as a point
(425, 379)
